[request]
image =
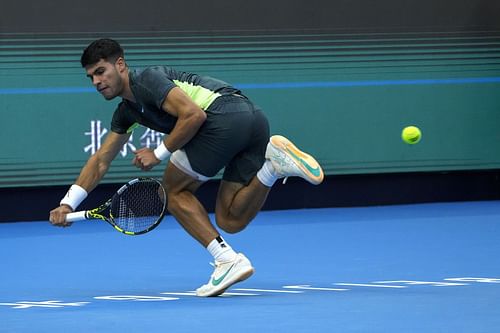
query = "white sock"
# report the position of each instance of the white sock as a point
(267, 174)
(220, 250)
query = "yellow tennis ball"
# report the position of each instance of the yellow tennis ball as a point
(411, 135)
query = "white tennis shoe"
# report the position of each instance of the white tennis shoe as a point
(225, 275)
(290, 161)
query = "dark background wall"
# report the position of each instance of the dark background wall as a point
(349, 15)
(339, 77)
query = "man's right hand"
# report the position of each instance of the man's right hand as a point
(58, 216)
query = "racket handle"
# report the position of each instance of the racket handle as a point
(76, 216)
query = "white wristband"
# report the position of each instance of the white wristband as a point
(74, 197)
(161, 152)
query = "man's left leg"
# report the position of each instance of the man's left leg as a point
(181, 183)
(237, 205)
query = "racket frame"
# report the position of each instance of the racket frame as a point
(95, 213)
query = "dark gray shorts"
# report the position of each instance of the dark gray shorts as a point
(235, 136)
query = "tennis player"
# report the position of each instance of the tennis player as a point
(210, 125)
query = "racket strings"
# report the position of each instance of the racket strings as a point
(140, 206)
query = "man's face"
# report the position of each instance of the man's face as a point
(105, 76)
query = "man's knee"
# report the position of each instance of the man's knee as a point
(230, 226)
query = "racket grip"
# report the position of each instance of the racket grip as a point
(76, 216)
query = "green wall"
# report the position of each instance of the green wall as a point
(342, 94)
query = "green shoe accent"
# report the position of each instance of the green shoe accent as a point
(315, 171)
(216, 282)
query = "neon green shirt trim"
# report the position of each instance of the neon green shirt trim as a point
(203, 97)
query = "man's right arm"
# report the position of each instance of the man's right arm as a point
(98, 164)
(91, 174)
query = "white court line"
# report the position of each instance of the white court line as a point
(368, 285)
(238, 294)
(25, 305)
(44, 304)
(193, 293)
(308, 287)
(424, 283)
(189, 293)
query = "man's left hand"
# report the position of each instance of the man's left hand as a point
(145, 159)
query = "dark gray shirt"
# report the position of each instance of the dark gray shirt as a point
(150, 87)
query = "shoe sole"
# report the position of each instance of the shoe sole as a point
(310, 168)
(242, 277)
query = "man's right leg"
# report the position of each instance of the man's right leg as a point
(237, 204)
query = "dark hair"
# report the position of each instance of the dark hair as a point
(104, 48)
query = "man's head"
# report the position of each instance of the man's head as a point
(105, 49)
(105, 65)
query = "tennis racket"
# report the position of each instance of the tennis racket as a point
(136, 208)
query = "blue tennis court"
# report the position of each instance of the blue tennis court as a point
(411, 268)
